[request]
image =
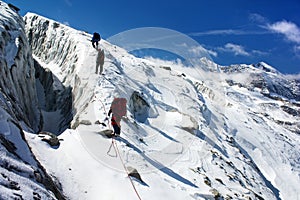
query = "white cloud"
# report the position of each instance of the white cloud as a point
(217, 32)
(228, 32)
(262, 26)
(297, 51)
(199, 51)
(210, 50)
(66, 23)
(235, 49)
(213, 53)
(289, 29)
(254, 17)
(260, 53)
(293, 76)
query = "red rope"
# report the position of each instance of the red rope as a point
(118, 153)
(131, 181)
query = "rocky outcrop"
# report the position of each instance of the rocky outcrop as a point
(132, 172)
(139, 107)
(50, 138)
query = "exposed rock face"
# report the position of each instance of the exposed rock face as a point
(139, 107)
(17, 82)
(50, 138)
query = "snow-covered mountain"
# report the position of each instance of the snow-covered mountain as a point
(229, 133)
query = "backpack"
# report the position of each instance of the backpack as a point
(96, 36)
(118, 107)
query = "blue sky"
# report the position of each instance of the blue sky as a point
(234, 31)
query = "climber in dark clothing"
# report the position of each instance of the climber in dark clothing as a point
(96, 38)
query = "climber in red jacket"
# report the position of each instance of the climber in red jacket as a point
(118, 110)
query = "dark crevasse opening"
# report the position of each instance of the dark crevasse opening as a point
(55, 101)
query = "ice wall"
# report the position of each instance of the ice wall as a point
(17, 80)
(60, 49)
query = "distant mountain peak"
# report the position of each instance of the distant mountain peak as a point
(265, 67)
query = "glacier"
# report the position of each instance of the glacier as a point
(229, 133)
(22, 175)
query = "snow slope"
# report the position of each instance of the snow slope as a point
(203, 139)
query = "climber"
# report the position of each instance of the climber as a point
(118, 110)
(115, 123)
(96, 38)
(100, 61)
